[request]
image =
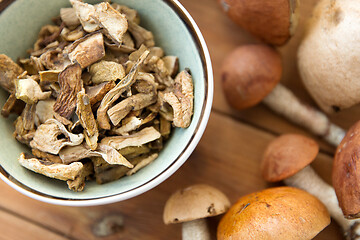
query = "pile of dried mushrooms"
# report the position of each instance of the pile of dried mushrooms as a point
(96, 98)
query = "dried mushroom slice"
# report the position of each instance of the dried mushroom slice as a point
(112, 21)
(12, 105)
(46, 156)
(69, 17)
(143, 163)
(115, 93)
(141, 35)
(29, 91)
(165, 127)
(109, 154)
(44, 110)
(137, 139)
(182, 100)
(70, 84)
(47, 34)
(56, 170)
(105, 172)
(132, 152)
(86, 14)
(9, 71)
(86, 50)
(72, 35)
(87, 120)
(52, 136)
(54, 59)
(28, 117)
(135, 102)
(130, 14)
(78, 184)
(96, 93)
(171, 63)
(50, 76)
(105, 71)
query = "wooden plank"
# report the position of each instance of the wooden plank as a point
(13, 227)
(227, 157)
(224, 36)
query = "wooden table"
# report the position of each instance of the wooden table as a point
(227, 157)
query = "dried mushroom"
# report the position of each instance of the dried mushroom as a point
(86, 50)
(55, 170)
(96, 98)
(112, 21)
(96, 93)
(9, 71)
(29, 91)
(181, 100)
(78, 184)
(87, 120)
(70, 84)
(143, 163)
(108, 153)
(52, 135)
(69, 18)
(104, 71)
(86, 14)
(134, 102)
(12, 105)
(115, 93)
(137, 139)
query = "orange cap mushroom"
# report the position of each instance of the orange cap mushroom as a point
(274, 213)
(287, 155)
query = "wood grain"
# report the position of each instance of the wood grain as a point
(13, 227)
(227, 157)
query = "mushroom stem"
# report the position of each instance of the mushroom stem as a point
(284, 102)
(308, 180)
(195, 230)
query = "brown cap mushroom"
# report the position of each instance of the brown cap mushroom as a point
(249, 74)
(287, 155)
(272, 21)
(346, 174)
(286, 158)
(275, 213)
(191, 206)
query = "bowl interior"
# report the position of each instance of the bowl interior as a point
(20, 24)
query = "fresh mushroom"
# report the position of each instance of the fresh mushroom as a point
(252, 74)
(329, 54)
(287, 158)
(275, 22)
(190, 206)
(281, 213)
(345, 173)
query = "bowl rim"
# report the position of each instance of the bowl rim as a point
(176, 164)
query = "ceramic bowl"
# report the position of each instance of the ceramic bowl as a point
(176, 32)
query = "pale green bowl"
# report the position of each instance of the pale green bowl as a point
(176, 32)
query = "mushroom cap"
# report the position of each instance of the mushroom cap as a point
(328, 56)
(346, 174)
(286, 155)
(275, 22)
(195, 202)
(249, 74)
(274, 213)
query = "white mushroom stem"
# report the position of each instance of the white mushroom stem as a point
(308, 180)
(195, 230)
(284, 102)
